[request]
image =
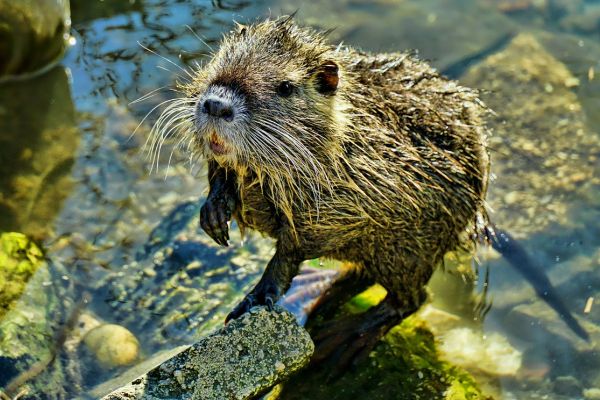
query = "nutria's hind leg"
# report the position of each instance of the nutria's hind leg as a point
(350, 283)
(347, 341)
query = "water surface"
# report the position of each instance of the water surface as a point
(74, 177)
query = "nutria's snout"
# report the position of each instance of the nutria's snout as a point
(219, 104)
(218, 108)
(220, 116)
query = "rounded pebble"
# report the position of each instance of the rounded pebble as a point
(112, 345)
(591, 394)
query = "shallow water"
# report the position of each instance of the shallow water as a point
(75, 179)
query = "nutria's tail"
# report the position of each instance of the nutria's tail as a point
(514, 253)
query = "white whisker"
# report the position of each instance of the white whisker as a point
(199, 38)
(147, 95)
(185, 71)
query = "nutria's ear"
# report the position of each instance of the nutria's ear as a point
(327, 78)
(241, 28)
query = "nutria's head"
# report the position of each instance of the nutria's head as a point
(267, 95)
(268, 101)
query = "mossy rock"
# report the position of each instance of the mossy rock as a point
(19, 258)
(33, 313)
(404, 365)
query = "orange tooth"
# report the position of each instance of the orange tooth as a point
(215, 138)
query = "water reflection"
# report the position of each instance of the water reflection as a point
(33, 34)
(38, 142)
(111, 61)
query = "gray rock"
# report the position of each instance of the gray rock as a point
(239, 361)
(130, 379)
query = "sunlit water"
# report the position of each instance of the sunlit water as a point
(89, 196)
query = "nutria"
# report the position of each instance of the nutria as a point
(372, 159)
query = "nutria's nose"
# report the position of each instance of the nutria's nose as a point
(218, 108)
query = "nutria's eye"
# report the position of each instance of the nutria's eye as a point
(285, 89)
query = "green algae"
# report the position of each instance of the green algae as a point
(404, 365)
(32, 314)
(365, 300)
(19, 259)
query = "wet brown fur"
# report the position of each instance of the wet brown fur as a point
(389, 172)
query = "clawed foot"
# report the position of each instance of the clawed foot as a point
(265, 293)
(215, 214)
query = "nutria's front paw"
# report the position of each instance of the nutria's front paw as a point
(214, 215)
(265, 293)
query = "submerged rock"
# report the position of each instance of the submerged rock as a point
(567, 386)
(33, 330)
(591, 394)
(544, 158)
(239, 361)
(491, 353)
